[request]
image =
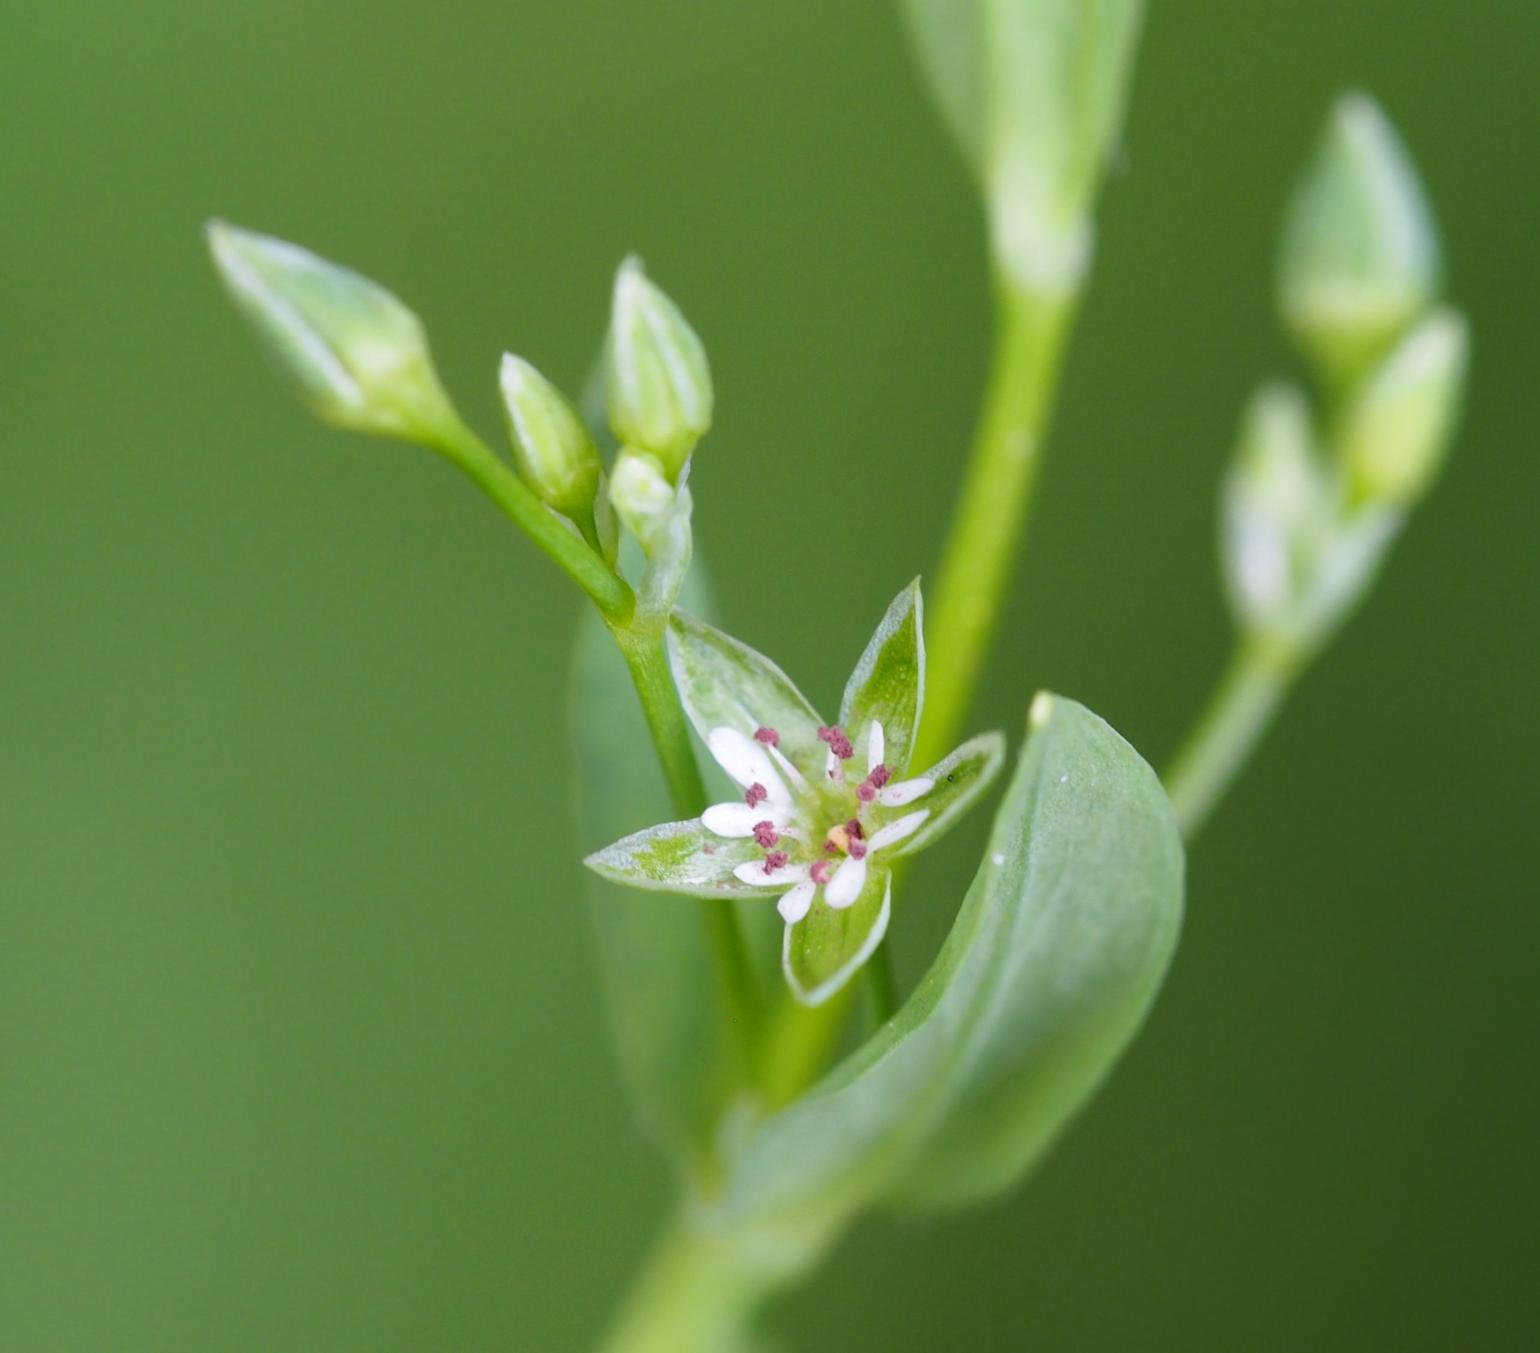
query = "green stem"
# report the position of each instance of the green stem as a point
(648, 662)
(988, 523)
(508, 492)
(1243, 704)
(693, 1296)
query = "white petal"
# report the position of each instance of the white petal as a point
(738, 819)
(846, 885)
(832, 768)
(899, 828)
(793, 775)
(874, 745)
(753, 871)
(745, 760)
(794, 905)
(905, 791)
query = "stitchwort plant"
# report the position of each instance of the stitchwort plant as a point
(730, 1010)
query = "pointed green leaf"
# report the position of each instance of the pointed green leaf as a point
(724, 683)
(1056, 954)
(888, 684)
(826, 948)
(678, 857)
(959, 780)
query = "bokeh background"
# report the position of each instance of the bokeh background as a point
(301, 1045)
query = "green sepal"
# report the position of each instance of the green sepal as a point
(723, 683)
(960, 778)
(826, 948)
(888, 683)
(678, 857)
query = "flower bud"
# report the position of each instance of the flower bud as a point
(641, 495)
(358, 356)
(1394, 435)
(1360, 256)
(552, 449)
(1034, 91)
(656, 376)
(1275, 507)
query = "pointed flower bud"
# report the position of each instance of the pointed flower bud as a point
(552, 449)
(1034, 91)
(1396, 432)
(641, 495)
(358, 356)
(1275, 508)
(657, 379)
(1360, 257)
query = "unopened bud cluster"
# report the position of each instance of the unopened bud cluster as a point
(360, 358)
(1313, 499)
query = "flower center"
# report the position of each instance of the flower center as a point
(838, 801)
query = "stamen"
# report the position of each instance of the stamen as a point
(880, 776)
(755, 795)
(854, 828)
(858, 850)
(865, 792)
(822, 870)
(765, 834)
(776, 859)
(768, 736)
(829, 848)
(839, 744)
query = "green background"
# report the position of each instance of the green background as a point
(300, 1041)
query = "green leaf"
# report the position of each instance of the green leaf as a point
(827, 947)
(723, 683)
(678, 857)
(656, 970)
(1055, 956)
(959, 780)
(888, 683)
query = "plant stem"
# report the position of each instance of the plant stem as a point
(1243, 703)
(693, 1296)
(987, 525)
(610, 592)
(645, 656)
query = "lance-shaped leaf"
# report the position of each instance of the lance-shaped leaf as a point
(1056, 955)
(888, 683)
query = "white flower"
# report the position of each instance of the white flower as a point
(821, 818)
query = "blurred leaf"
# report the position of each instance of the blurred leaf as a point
(1056, 954)
(656, 969)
